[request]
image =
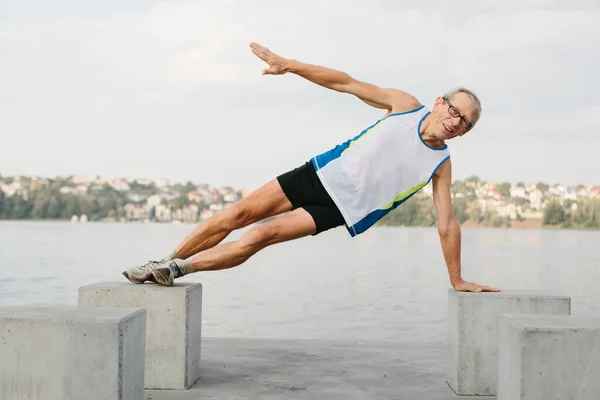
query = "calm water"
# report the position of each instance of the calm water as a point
(388, 284)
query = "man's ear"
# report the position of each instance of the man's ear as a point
(438, 102)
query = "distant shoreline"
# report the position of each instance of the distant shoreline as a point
(530, 224)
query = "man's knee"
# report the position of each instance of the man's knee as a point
(257, 237)
(235, 217)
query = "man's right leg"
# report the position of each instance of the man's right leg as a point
(269, 200)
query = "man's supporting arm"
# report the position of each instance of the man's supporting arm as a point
(449, 230)
(448, 227)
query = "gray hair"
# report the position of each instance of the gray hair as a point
(476, 103)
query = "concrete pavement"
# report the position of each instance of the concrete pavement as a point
(314, 369)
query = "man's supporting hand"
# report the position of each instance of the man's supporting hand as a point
(277, 65)
(464, 286)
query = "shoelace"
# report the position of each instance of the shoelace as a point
(148, 266)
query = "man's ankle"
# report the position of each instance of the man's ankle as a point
(184, 267)
(173, 256)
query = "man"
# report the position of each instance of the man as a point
(354, 184)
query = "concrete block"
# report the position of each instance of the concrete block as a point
(58, 353)
(548, 357)
(174, 326)
(473, 333)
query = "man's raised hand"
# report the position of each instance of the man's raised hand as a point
(277, 65)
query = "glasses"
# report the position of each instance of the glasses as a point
(455, 113)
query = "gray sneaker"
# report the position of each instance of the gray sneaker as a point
(165, 272)
(141, 273)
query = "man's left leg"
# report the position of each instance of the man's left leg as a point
(296, 224)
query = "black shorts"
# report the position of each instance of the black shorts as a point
(304, 189)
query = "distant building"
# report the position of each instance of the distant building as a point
(81, 180)
(162, 183)
(155, 200)
(535, 199)
(195, 196)
(137, 213)
(517, 191)
(120, 185)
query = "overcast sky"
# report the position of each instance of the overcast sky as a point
(142, 89)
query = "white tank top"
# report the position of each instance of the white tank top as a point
(373, 173)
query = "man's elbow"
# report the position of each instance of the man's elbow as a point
(448, 227)
(345, 83)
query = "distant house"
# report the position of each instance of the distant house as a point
(137, 213)
(162, 183)
(154, 200)
(69, 189)
(508, 210)
(120, 185)
(570, 194)
(195, 196)
(535, 199)
(8, 190)
(81, 180)
(163, 213)
(230, 197)
(82, 189)
(517, 191)
(494, 194)
(206, 214)
(190, 213)
(225, 190)
(135, 197)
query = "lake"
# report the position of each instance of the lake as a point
(390, 283)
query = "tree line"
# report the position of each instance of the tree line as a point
(50, 203)
(108, 203)
(420, 211)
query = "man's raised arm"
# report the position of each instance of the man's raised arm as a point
(393, 100)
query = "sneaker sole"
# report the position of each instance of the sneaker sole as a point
(131, 279)
(137, 281)
(162, 278)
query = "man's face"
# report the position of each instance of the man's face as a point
(453, 117)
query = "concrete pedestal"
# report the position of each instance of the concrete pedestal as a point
(58, 353)
(173, 333)
(473, 333)
(548, 357)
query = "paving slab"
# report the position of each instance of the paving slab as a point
(238, 369)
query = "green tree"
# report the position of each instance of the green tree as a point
(504, 189)
(588, 214)
(72, 206)
(189, 187)
(473, 179)
(2, 204)
(476, 213)
(542, 187)
(52, 211)
(459, 206)
(181, 202)
(554, 214)
(40, 205)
